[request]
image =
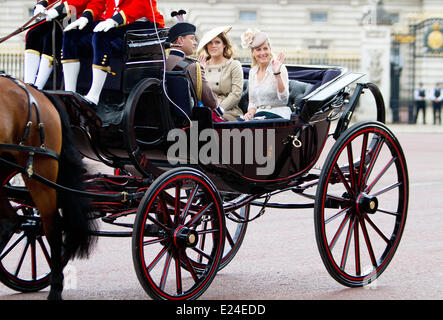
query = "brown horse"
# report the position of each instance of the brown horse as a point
(71, 230)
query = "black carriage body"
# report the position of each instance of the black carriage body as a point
(292, 151)
(114, 145)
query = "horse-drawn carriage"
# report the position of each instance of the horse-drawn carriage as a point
(188, 216)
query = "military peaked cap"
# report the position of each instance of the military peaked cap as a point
(180, 29)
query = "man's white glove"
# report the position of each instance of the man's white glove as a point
(38, 9)
(51, 14)
(80, 23)
(106, 25)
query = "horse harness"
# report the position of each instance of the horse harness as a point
(21, 147)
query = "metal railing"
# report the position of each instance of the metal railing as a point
(11, 61)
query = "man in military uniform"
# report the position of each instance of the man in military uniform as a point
(100, 30)
(182, 36)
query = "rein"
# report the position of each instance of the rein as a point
(32, 104)
(40, 17)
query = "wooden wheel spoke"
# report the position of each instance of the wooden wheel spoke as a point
(33, 260)
(379, 175)
(189, 203)
(339, 231)
(386, 189)
(202, 254)
(390, 212)
(373, 159)
(351, 168)
(157, 258)
(229, 238)
(157, 223)
(347, 244)
(368, 242)
(44, 250)
(165, 272)
(12, 246)
(178, 275)
(335, 197)
(199, 214)
(208, 231)
(191, 268)
(153, 241)
(164, 208)
(372, 224)
(177, 203)
(202, 241)
(362, 159)
(357, 250)
(338, 214)
(343, 179)
(22, 258)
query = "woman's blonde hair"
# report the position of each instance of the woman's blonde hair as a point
(254, 61)
(227, 50)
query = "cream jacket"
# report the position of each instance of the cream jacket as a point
(226, 81)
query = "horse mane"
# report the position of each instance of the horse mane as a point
(77, 223)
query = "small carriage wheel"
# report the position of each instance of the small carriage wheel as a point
(24, 261)
(235, 233)
(181, 209)
(361, 204)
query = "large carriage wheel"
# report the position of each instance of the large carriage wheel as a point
(361, 204)
(24, 261)
(180, 211)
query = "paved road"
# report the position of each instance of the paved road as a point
(279, 257)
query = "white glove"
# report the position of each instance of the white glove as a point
(106, 25)
(80, 23)
(51, 14)
(38, 9)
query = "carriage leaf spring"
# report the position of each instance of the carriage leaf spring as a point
(238, 219)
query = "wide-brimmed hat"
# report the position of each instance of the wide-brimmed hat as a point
(211, 34)
(253, 38)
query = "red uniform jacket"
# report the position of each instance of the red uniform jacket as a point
(46, 3)
(66, 6)
(80, 6)
(128, 11)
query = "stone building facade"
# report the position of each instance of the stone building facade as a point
(358, 34)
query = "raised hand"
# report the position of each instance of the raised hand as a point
(277, 63)
(202, 59)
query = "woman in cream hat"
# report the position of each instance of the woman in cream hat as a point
(268, 79)
(224, 74)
